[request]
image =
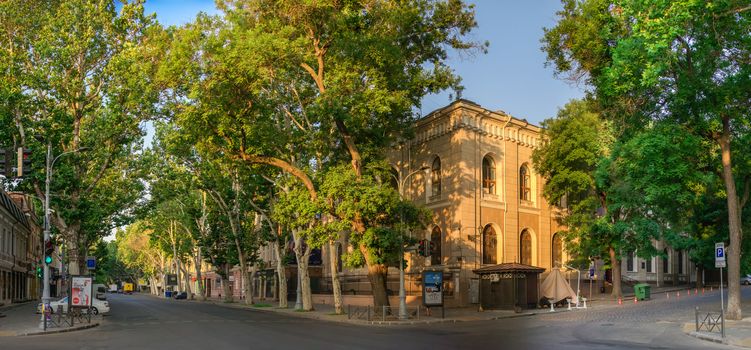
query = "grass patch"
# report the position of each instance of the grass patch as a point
(261, 305)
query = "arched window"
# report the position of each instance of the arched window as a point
(435, 177)
(339, 253)
(436, 239)
(557, 250)
(524, 183)
(680, 262)
(525, 248)
(489, 244)
(488, 175)
(666, 261)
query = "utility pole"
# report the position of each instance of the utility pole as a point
(403, 315)
(48, 179)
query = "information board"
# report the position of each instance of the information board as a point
(432, 288)
(80, 291)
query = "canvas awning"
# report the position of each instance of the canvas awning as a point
(556, 288)
(508, 267)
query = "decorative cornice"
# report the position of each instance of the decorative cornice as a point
(473, 118)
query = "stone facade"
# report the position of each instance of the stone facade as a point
(20, 249)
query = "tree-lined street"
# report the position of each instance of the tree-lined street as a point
(267, 151)
(142, 321)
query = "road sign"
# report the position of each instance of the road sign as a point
(172, 280)
(719, 255)
(91, 262)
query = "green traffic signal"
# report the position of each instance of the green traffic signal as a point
(48, 259)
(39, 272)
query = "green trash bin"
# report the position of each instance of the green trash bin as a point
(642, 291)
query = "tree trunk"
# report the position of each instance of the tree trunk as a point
(336, 286)
(248, 285)
(377, 274)
(615, 265)
(734, 248)
(699, 282)
(281, 276)
(302, 256)
(199, 277)
(186, 279)
(228, 297)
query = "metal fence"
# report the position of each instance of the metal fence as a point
(712, 322)
(383, 313)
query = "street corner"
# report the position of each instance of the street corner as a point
(60, 330)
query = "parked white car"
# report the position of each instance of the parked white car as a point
(98, 306)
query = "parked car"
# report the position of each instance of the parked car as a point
(100, 291)
(181, 295)
(97, 307)
(746, 280)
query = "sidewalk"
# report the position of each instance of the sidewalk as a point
(326, 312)
(737, 333)
(22, 319)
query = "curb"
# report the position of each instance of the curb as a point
(61, 330)
(366, 323)
(707, 337)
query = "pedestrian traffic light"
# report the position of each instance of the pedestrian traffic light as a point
(49, 248)
(39, 272)
(431, 248)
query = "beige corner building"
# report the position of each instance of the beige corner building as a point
(478, 179)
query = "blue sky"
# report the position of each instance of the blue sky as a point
(511, 77)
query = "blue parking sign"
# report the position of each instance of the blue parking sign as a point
(720, 252)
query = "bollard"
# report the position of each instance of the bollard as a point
(383, 317)
(349, 311)
(697, 318)
(368, 312)
(585, 302)
(678, 295)
(667, 295)
(418, 311)
(710, 288)
(569, 304)
(552, 308)
(702, 291)
(620, 301)
(635, 300)
(696, 291)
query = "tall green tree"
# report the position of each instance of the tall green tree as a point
(79, 75)
(681, 62)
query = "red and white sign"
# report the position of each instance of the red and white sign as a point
(80, 291)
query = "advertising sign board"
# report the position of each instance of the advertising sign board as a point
(80, 291)
(432, 288)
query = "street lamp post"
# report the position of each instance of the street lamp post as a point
(47, 180)
(402, 295)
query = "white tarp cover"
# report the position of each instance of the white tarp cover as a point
(555, 287)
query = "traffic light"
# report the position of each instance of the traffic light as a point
(49, 248)
(24, 162)
(39, 272)
(5, 161)
(424, 247)
(431, 248)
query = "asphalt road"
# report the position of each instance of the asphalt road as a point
(144, 322)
